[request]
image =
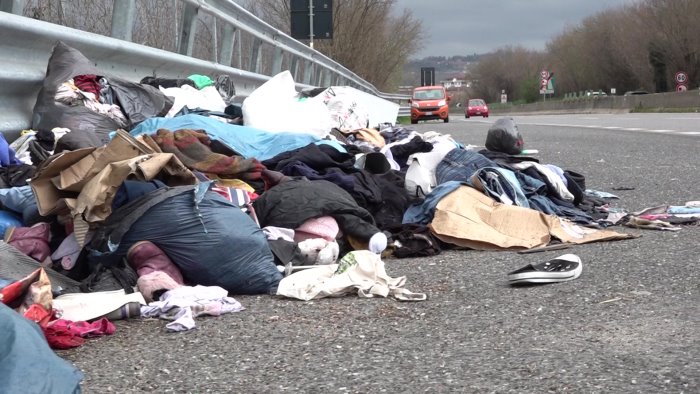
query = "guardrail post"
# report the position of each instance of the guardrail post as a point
(255, 58)
(317, 76)
(12, 6)
(239, 51)
(123, 19)
(227, 41)
(325, 78)
(277, 61)
(308, 72)
(189, 28)
(215, 38)
(295, 67)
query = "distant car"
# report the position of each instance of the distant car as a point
(429, 102)
(476, 107)
(597, 94)
(635, 92)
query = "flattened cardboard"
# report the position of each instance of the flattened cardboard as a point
(95, 200)
(48, 197)
(468, 218)
(121, 147)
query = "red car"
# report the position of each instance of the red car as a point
(476, 107)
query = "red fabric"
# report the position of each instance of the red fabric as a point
(83, 328)
(39, 315)
(88, 83)
(57, 338)
(66, 334)
(62, 338)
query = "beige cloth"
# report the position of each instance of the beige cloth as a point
(361, 272)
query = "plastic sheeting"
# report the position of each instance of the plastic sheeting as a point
(246, 141)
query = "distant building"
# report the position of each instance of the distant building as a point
(454, 83)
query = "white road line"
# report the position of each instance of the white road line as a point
(637, 129)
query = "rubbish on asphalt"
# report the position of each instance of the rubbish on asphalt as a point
(559, 269)
(339, 188)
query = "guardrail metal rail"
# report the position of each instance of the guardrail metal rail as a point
(26, 46)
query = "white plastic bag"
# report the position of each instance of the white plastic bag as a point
(420, 176)
(276, 107)
(348, 113)
(208, 98)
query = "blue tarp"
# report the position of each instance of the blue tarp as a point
(27, 364)
(247, 141)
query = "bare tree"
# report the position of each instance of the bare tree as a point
(511, 69)
(368, 37)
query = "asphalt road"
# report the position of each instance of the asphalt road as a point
(629, 324)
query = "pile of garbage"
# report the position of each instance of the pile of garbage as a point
(162, 198)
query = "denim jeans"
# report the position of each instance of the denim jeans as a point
(502, 185)
(460, 165)
(423, 212)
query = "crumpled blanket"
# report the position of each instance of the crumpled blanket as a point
(184, 303)
(192, 148)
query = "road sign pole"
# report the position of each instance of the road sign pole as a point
(311, 23)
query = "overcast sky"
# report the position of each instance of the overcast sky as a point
(465, 27)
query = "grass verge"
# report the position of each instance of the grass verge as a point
(403, 120)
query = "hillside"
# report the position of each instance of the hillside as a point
(445, 68)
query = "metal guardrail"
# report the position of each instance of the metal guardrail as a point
(26, 46)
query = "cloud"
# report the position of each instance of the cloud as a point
(463, 27)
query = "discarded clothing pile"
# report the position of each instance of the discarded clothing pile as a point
(161, 198)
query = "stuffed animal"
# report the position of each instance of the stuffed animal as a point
(317, 251)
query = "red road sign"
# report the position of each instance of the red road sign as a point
(681, 88)
(681, 77)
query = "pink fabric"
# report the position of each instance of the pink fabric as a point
(321, 227)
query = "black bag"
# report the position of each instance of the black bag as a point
(107, 278)
(138, 102)
(503, 136)
(413, 240)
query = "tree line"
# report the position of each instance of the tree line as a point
(370, 37)
(638, 46)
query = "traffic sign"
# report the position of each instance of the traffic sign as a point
(681, 88)
(544, 74)
(681, 77)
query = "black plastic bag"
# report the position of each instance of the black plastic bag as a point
(138, 102)
(503, 136)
